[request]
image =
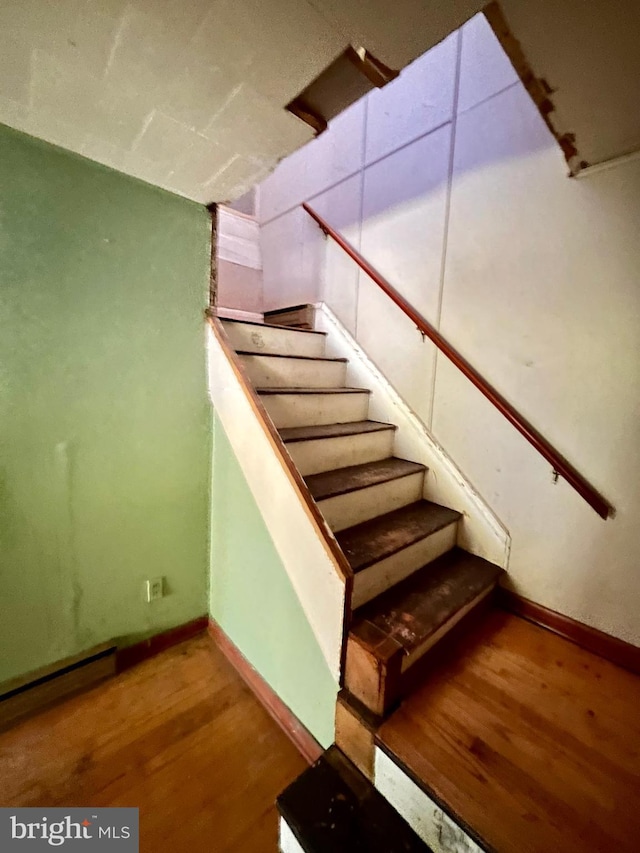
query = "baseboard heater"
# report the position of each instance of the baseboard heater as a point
(28, 694)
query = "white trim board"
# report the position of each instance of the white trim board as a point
(426, 818)
(480, 532)
(288, 842)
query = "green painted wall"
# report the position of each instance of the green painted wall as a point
(254, 603)
(104, 418)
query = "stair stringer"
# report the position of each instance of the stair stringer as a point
(480, 531)
(315, 574)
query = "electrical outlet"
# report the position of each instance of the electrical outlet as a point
(153, 589)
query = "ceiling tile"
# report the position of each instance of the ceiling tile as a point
(64, 92)
(89, 42)
(55, 130)
(197, 94)
(110, 8)
(14, 71)
(104, 152)
(238, 173)
(199, 162)
(254, 127)
(12, 113)
(147, 51)
(162, 138)
(278, 70)
(44, 25)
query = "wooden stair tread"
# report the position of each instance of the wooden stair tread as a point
(287, 309)
(270, 326)
(288, 389)
(373, 540)
(413, 610)
(333, 808)
(299, 316)
(340, 481)
(285, 355)
(293, 434)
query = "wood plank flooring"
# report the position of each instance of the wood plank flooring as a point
(179, 736)
(530, 740)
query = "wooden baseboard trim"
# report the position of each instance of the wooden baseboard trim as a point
(132, 655)
(300, 736)
(610, 648)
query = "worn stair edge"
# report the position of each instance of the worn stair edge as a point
(306, 390)
(254, 354)
(270, 326)
(287, 309)
(371, 541)
(333, 808)
(420, 609)
(342, 481)
(301, 316)
(291, 435)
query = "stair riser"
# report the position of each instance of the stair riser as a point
(293, 410)
(273, 372)
(382, 575)
(344, 511)
(269, 340)
(315, 456)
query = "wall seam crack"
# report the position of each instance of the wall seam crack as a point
(447, 214)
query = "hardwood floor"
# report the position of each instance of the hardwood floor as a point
(530, 740)
(179, 736)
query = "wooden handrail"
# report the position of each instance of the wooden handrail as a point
(561, 466)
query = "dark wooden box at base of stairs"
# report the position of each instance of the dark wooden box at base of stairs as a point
(333, 808)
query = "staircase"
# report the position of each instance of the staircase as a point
(411, 582)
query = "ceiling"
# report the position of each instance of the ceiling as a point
(185, 94)
(190, 95)
(589, 53)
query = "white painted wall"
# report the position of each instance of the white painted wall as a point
(450, 183)
(239, 262)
